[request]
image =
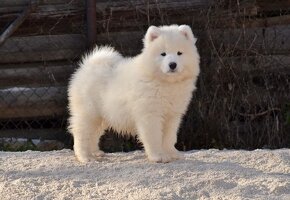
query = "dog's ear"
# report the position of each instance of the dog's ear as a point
(187, 32)
(152, 33)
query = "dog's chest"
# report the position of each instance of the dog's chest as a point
(163, 99)
(174, 100)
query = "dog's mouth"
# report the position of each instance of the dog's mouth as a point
(172, 71)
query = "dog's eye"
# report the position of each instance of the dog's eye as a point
(163, 54)
(179, 53)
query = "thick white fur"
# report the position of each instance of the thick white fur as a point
(138, 95)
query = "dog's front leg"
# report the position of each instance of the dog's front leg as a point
(171, 126)
(150, 133)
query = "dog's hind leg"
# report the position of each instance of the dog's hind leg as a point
(94, 142)
(85, 137)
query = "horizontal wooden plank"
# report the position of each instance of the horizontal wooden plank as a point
(64, 16)
(46, 43)
(32, 102)
(53, 25)
(67, 16)
(121, 15)
(111, 15)
(251, 41)
(63, 47)
(18, 3)
(103, 4)
(42, 48)
(267, 21)
(49, 17)
(224, 42)
(256, 64)
(266, 5)
(36, 74)
(39, 110)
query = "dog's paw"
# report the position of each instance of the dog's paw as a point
(85, 159)
(98, 153)
(176, 155)
(159, 158)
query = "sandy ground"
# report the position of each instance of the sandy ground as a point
(205, 174)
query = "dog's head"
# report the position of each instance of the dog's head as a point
(171, 53)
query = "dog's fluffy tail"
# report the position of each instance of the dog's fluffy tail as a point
(101, 56)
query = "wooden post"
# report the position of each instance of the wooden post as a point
(91, 23)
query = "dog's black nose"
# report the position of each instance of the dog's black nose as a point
(172, 65)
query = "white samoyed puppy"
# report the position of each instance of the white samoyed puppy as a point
(145, 95)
